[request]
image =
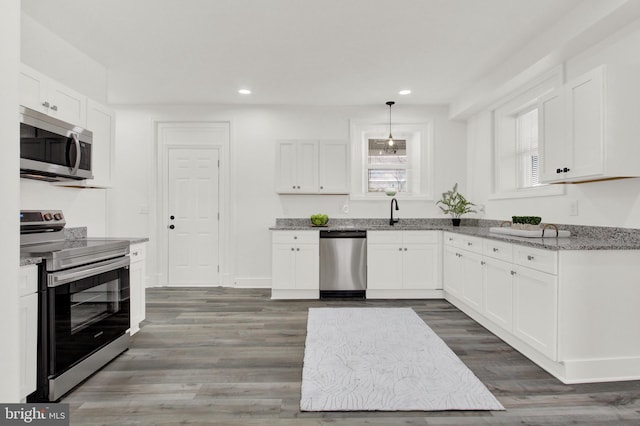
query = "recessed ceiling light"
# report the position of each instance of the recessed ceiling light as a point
(404, 92)
(244, 91)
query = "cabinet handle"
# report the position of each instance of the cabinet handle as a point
(294, 187)
(45, 104)
(295, 237)
(405, 249)
(135, 253)
(566, 169)
(450, 239)
(482, 262)
(495, 250)
(298, 249)
(292, 249)
(54, 107)
(529, 257)
(400, 249)
(298, 186)
(322, 187)
(469, 243)
(513, 272)
(558, 170)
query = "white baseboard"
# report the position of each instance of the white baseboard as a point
(249, 282)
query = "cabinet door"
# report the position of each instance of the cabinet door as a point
(67, 104)
(307, 267)
(384, 266)
(552, 134)
(307, 167)
(498, 292)
(137, 277)
(333, 167)
(28, 343)
(472, 279)
(287, 157)
(453, 272)
(420, 266)
(283, 266)
(535, 309)
(101, 121)
(33, 89)
(586, 106)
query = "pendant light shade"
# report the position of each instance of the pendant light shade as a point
(390, 141)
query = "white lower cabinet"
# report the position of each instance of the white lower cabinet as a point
(570, 311)
(295, 264)
(28, 323)
(137, 285)
(404, 264)
(535, 308)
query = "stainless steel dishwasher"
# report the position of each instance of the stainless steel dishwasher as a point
(343, 264)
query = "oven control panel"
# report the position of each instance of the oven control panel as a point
(41, 220)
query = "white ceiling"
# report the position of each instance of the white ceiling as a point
(330, 52)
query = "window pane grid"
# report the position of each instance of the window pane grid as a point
(527, 148)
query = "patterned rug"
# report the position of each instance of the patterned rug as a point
(384, 359)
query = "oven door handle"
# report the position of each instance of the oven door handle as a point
(58, 278)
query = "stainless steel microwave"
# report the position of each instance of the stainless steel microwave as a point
(53, 150)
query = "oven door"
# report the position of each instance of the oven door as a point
(88, 308)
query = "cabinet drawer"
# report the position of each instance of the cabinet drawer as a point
(138, 252)
(420, 237)
(465, 242)
(540, 260)
(498, 250)
(295, 237)
(384, 237)
(28, 280)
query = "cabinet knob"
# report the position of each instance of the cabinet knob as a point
(172, 217)
(566, 169)
(469, 243)
(54, 107)
(298, 186)
(322, 187)
(495, 250)
(513, 272)
(400, 249)
(294, 187)
(529, 257)
(292, 249)
(558, 170)
(135, 253)
(482, 262)
(405, 249)
(298, 249)
(45, 104)
(172, 227)
(295, 237)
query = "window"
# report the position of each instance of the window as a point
(527, 148)
(387, 165)
(407, 166)
(516, 158)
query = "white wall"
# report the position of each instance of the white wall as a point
(9, 214)
(255, 205)
(609, 203)
(48, 53)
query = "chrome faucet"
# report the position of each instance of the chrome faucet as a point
(392, 220)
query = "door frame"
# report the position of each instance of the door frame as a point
(163, 131)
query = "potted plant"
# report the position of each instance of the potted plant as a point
(455, 204)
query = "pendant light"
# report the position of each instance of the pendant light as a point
(390, 141)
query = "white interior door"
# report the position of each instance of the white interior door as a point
(193, 217)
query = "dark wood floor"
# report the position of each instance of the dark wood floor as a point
(224, 356)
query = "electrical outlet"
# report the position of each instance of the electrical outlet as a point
(573, 208)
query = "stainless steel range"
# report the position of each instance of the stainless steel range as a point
(83, 302)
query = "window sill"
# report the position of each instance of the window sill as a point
(385, 197)
(544, 191)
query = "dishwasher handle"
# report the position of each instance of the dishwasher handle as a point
(343, 234)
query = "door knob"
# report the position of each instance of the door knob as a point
(171, 226)
(172, 217)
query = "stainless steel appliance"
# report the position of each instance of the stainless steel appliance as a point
(343, 263)
(53, 150)
(83, 302)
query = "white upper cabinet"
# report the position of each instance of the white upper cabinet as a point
(39, 92)
(312, 167)
(101, 120)
(333, 167)
(588, 128)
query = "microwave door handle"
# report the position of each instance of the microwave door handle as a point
(76, 142)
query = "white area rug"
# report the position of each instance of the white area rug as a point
(384, 359)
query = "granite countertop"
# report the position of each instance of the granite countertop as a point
(582, 237)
